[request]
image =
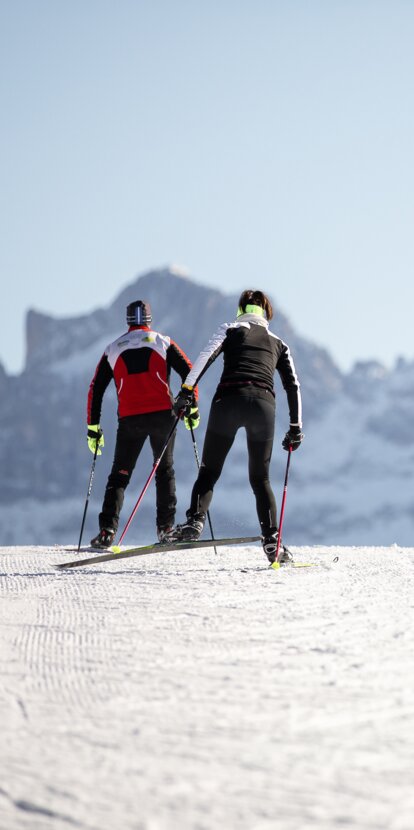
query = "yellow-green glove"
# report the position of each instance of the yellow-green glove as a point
(192, 420)
(95, 438)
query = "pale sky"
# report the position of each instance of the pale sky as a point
(256, 142)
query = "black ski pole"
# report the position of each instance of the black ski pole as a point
(147, 483)
(98, 435)
(197, 457)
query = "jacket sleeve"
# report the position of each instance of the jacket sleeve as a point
(179, 361)
(286, 368)
(207, 356)
(102, 377)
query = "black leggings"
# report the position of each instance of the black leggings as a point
(256, 413)
(132, 433)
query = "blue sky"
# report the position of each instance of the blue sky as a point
(256, 143)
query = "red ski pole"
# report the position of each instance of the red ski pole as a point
(282, 509)
(116, 548)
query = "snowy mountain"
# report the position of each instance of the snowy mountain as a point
(350, 480)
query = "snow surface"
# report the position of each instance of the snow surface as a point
(199, 691)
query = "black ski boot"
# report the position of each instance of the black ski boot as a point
(166, 534)
(192, 529)
(104, 538)
(269, 543)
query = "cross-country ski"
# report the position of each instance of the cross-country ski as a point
(157, 547)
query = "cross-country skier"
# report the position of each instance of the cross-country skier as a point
(139, 361)
(244, 397)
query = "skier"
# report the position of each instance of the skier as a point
(139, 362)
(244, 398)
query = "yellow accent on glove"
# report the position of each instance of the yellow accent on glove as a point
(192, 420)
(95, 438)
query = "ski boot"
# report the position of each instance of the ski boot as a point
(269, 543)
(166, 534)
(104, 539)
(192, 529)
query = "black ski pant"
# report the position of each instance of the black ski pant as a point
(132, 433)
(256, 414)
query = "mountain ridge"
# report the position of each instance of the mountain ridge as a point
(43, 425)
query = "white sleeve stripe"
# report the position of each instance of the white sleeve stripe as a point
(199, 364)
(296, 381)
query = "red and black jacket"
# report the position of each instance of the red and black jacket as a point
(140, 362)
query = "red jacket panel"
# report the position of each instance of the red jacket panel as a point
(139, 362)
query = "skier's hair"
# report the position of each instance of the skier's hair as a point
(252, 297)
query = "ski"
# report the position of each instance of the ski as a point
(277, 565)
(157, 547)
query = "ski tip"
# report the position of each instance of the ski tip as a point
(115, 549)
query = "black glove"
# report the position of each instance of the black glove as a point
(184, 402)
(293, 438)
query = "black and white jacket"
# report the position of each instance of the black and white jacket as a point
(251, 356)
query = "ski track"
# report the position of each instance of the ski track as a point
(181, 692)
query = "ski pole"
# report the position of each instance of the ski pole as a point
(147, 483)
(282, 509)
(198, 465)
(98, 435)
